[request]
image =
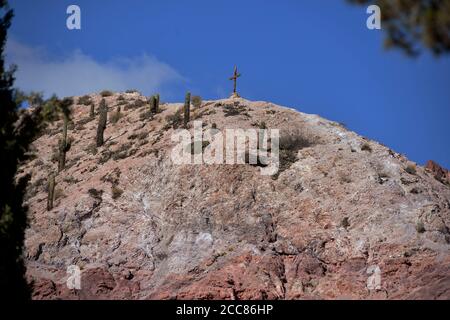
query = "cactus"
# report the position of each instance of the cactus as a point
(187, 105)
(51, 191)
(63, 147)
(152, 102)
(64, 144)
(103, 110)
(92, 112)
(157, 103)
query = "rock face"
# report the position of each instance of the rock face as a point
(345, 217)
(440, 173)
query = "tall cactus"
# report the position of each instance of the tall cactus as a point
(157, 103)
(103, 110)
(92, 111)
(51, 191)
(186, 108)
(64, 144)
(153, 107)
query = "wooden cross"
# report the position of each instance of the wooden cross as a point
(234, 78)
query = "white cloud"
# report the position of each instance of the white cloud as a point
(78, 74)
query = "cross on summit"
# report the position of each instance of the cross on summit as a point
(234, 78)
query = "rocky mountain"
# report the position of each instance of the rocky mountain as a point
(346, 217)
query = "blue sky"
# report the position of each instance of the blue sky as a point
(316, 57)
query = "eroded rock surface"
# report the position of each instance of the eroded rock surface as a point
(439, 172)
(140, 227)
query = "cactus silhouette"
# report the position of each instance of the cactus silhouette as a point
(92, 111)
(51, 191)
(186, 109)
(103, 110)
(156, 103)
(152, 101)
(64, 144)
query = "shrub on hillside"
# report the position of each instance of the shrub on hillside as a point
(85, 100)
(196, 101)
(106, 93)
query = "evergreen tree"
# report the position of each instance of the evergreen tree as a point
(414, 24)
(17, 130)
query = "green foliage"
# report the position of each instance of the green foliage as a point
(20, 97)
(53, 108)
(17, 131)
(412, 25)
(50, 109)
(35, 98)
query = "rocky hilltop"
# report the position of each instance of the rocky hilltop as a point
(439, 172)
(346, 217)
